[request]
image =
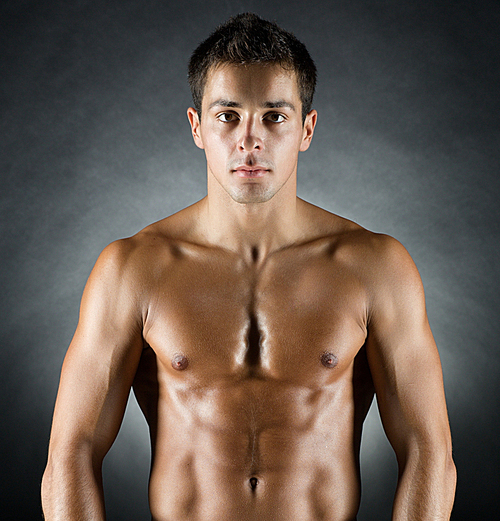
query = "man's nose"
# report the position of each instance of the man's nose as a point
(251, 137)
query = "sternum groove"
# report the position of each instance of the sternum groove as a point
(252, 357)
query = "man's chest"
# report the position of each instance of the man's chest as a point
(294, 317)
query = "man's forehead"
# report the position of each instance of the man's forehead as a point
(231, 83)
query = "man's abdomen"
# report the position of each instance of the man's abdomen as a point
(256, 449)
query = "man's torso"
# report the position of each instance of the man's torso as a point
(254, 379)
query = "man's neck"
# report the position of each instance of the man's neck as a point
(253, 230)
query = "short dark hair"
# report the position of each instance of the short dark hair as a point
(248, 39)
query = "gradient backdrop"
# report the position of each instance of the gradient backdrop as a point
(95, 145)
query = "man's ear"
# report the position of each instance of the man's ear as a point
(309, 124)
(194, 121)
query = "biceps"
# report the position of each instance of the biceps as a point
(95, 382)
(408, 381)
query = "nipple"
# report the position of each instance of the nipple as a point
(329, 360)
(253, 483)
(179, 362)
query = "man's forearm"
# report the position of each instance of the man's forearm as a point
(72, 492)
(426, 488)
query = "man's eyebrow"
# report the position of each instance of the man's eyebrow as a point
(224, 103)
(278, 104)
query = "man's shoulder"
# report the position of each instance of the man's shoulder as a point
(375, 254)
(349, 234)
(144, 253)
(371, 246)
(381, 262)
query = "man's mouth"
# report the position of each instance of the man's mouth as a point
(250, 171)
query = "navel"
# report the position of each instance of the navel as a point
(179, 362)
(253, 483)
(329, 360)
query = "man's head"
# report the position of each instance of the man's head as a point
(246, 40)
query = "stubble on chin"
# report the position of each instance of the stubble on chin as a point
(251, 193)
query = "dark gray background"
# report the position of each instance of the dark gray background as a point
(95, 145)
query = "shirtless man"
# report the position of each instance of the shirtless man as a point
(254, 328)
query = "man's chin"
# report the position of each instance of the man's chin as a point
(252, 197)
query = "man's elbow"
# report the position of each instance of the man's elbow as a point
(432, 462)
(450, 472)
(445, 481)
(69, 475)
(442, 456)
(55, 480)
(48, 491)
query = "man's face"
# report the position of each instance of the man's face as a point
(251, 130)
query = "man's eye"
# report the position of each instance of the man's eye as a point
(227, 117)
(275, 117)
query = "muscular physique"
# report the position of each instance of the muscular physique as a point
(254, 329)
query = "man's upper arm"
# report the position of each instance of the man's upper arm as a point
(102, 359)
(403, 357)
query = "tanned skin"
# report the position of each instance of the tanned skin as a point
(255, 329)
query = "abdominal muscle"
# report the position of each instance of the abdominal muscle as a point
(254, 449)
